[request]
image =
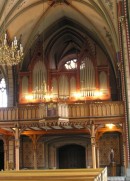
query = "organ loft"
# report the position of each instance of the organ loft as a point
(64, 85)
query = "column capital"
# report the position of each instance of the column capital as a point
(92, 130)
(93, 141)
(122, 19)
(17, 132)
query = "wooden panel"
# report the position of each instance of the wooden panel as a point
(75, 110)
(54, 175)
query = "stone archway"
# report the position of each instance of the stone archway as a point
(71, 156)
(54, 143)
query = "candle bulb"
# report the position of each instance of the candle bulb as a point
(4, 41)
(21, 49)
(18, 54)
(13, 55)
(5, 35)
(15, 42)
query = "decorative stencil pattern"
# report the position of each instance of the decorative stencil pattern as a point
(40, 154)
(28, 154)
(106, 143)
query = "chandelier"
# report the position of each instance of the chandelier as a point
(10, 54)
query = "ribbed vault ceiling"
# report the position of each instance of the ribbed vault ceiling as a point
(61, 24)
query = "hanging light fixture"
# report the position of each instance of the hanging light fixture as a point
(10, 54)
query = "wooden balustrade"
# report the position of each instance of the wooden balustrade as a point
(8, 113)
(39, 111)
(99, 174)
(28, 112)
(19, 113)
(97, 109)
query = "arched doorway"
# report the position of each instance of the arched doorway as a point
(71, 156)
(1, 155)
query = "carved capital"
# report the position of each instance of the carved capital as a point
(121, 19)
(93, 141)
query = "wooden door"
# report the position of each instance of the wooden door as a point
(71, 156)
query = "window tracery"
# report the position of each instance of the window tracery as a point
(71, 64)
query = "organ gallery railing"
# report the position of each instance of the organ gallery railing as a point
(39, 111)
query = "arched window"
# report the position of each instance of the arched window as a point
(3, 93)
(71, 64)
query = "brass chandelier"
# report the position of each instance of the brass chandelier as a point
(10, 54)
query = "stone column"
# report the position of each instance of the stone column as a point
(17, 145)
(124, 149)
(93, 143)
(97, 154)
(125, 69)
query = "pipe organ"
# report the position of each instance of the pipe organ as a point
(85, 81)
(87, 78)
